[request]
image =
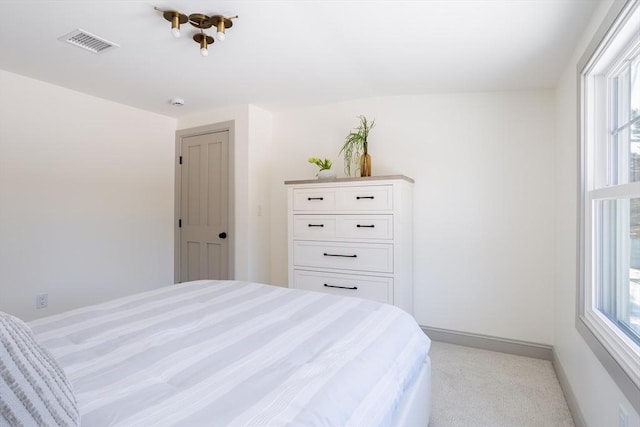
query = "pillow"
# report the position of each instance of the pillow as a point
(34, 389)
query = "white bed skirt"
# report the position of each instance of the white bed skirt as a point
(415, 407)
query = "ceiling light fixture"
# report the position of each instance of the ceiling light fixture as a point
(202, 22)
(176, 18)
(205, 40)
(221, 23)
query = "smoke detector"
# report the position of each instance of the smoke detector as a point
(178, 102)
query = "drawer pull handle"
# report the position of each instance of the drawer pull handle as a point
(316, 225)
(315, 198)
(343, 256)
(365, 226)
(353, 288)
(364, 197)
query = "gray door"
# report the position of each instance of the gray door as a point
(204, 200)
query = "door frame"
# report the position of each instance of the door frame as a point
(228, 126)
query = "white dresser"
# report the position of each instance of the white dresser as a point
(353, 236)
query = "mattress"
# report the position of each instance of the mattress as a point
(230, 353)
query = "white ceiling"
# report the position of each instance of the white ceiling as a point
(285, 54)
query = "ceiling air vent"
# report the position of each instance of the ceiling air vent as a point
(88, 41)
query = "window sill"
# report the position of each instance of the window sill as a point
(630, 389)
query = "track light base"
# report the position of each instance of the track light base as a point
(200, 20)
(201, 36)
(216, 19)
(169, 14)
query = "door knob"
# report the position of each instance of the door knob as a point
(222, 235)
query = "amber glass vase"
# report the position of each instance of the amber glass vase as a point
(365, 165)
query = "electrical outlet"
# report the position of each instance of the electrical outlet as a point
(623, 417)
(42, 300)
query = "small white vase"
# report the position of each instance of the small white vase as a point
(326, 174)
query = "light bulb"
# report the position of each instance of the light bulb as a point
(175, 24)
(220, 29)
(204, 51)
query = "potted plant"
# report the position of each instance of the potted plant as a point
(325, 171)
(356, 148)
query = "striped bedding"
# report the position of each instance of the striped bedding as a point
(229, 353)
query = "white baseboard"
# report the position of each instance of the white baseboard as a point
(520, 348)
(572, 402)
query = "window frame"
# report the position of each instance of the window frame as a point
(619, 354)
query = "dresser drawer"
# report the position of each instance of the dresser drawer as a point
(365, 198)
(364, 226)
(314, 227)
(356, 198)
(324, 227)
(374, 288)
(376, 257)
(314, 199)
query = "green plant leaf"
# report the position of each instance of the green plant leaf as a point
(356, 144)
(321, 163)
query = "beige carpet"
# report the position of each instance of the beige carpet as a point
(477, 388)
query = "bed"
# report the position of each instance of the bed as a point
(231, 353)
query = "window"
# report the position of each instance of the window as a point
(609, 307)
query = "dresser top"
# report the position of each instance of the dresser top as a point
(351, 179)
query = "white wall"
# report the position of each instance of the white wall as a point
(86, 196)
(259, 204)
(86, 204)
(250, 157)
(596, 393)
(483, 166)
